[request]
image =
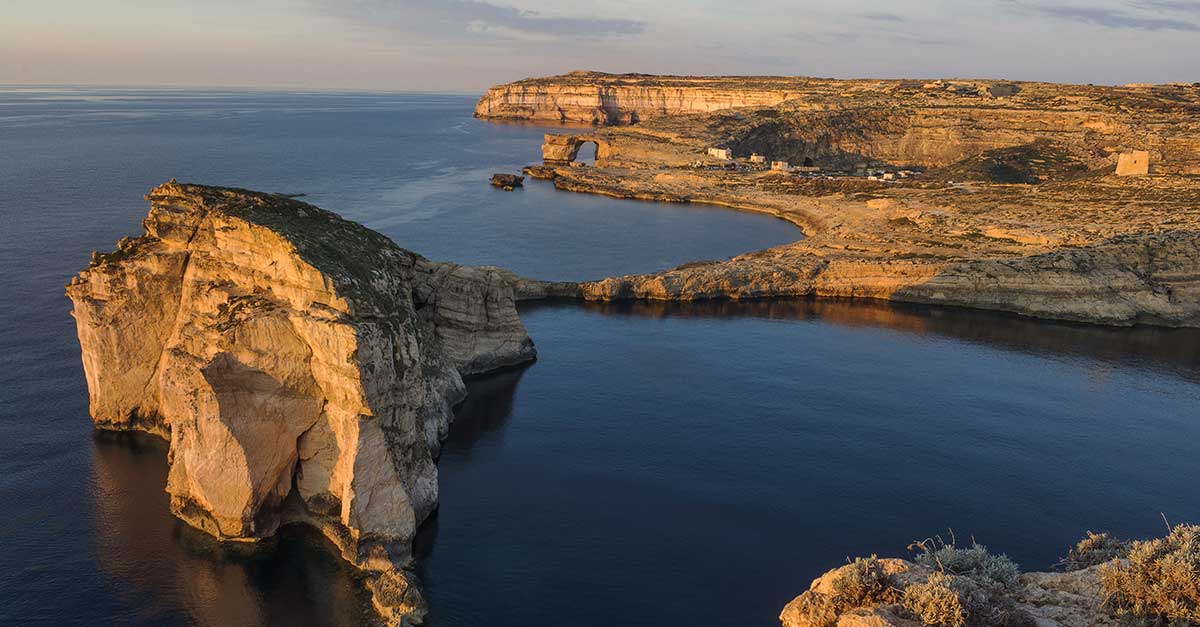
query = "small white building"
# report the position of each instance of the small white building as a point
(757, 158)
(782, 166)
(720, 153)
(1134, 163)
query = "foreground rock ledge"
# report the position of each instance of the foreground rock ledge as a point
(302, 366)
(1040, 599)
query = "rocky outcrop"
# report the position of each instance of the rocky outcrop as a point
(599, 98)
(1040, 259)
(559, 148)
(1135, 279)
(1039, 599)
(507, 182)
(302, 367)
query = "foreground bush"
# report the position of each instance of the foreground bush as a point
(982, 583)
(974, 561)
(862, 583)
(1093, 550)
(935, 602)
(1159, 581)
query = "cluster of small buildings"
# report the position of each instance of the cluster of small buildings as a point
(756, 161)
(882, 173)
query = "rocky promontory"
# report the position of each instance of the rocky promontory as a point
(302, 366)
(1101, 582)
(1072, 202)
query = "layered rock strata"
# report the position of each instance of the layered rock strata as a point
(599, 98)
(840, 123)
(303, 368)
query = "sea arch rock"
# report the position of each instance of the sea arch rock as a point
(302, 366)
(559, 148)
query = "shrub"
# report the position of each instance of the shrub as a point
(981, 582)
(1160, 579)
(862, 583)
(974, 562)
(1093, 550)
(935, 602)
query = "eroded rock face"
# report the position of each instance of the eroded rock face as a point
(303, 368)
(599, 98)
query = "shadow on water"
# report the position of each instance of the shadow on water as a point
(483, 414)
(1164, 349)
(173, 574)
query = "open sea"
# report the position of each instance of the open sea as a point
(660, 464)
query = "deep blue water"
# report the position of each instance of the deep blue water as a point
(659, 465)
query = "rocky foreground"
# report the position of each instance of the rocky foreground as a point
(302, 366)
(1101, 582)
(1013, 202)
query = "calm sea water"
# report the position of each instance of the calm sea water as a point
(659, 464)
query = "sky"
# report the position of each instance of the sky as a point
(468, 45)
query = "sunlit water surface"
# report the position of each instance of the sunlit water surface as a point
(659, 464)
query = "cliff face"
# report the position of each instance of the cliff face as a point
(598, 98)
(839, 123)
(302, 367)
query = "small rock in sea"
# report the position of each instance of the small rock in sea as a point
(507, 181)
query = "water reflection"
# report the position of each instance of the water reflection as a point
(170, 572)
(1165, 349)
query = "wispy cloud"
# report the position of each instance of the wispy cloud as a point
(1116, 17)
(476, 17)
(884, 17)
(1176, 6)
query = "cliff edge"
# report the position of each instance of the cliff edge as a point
(302, 366)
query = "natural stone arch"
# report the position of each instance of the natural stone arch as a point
(565, 148)
(587, 153)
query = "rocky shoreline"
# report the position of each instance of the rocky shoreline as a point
(1073, 241)
(302, 367)
(1101, 582)
(1144, 277)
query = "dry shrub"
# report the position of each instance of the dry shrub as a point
(862, 583)
(1093, 550)
(981, 582)
(1160, 579)
(935, 602)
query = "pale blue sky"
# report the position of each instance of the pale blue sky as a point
(467, 45)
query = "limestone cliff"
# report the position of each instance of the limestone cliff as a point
(599, 98)
(303, 368)
(839, 123)
(989, 194)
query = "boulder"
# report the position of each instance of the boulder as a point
(507, 181)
